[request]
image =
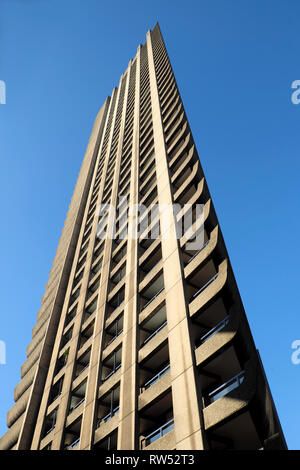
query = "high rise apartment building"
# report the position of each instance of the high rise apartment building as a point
(142, 342)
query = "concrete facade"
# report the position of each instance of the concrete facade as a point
(142, 342)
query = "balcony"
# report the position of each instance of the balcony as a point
(156, 377)
(98, 250)
(174, 129)
(93, 287)
(77, 405)
(108, 406)
(218, 368)
(180, 153)
(148, 204)
(73, 444)
(117, 276)
(111, 364)
(177, 168)
(86, 334)
(151, 291)
(146, 158)
(89, 310)
(56, 390)
(169, 102)
(153, 324)
(72, 435)
(148, 185)
(233, 415)
(213, 331)
(173, 103)
(200, 279)
(226, 387)
(74, 296)
(77, 279)
(146, 171)
(83, 250)
(186, 191)
(49, 423)
(113, 331)
(196, 229)
(77, 396)
(108, 442)
(179, 136)
(205, 283)
(112, 372)
(95, 268)
(198, 251)
(156, 421)
(154, 333)
(158, 433)
(107, 412)
(66, 337)
(146, 246)
(169, 121)
(194, 259)
(108, 416)
(81, 263)
(205, 286)
(190, 221)
(61, 361)
(82, 363)
(150, 263)
(118, 254)
(116, 301)
(149, 225)
(70, 315)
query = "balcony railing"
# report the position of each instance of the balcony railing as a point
(74, 444)
(205, 286)
(153, 267)
(152, 298)
(77, 404)
(156, 377)
(227, 387)
(114, 307)
(197, 252)
(111, 373)
(108, 416)
(55, 397)
(83, 369)
(158, 433)
(114, 337)
(49, 430)
(213, 331)
(155, 332)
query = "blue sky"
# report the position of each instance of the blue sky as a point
(234, 61)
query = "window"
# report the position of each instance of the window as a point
(111, 364)
(77, 397)
(113, 331)
(108, 406)
(56, 390)
(50, 421)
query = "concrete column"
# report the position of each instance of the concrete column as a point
(186, 402)
(127, 433)
(90, 407)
